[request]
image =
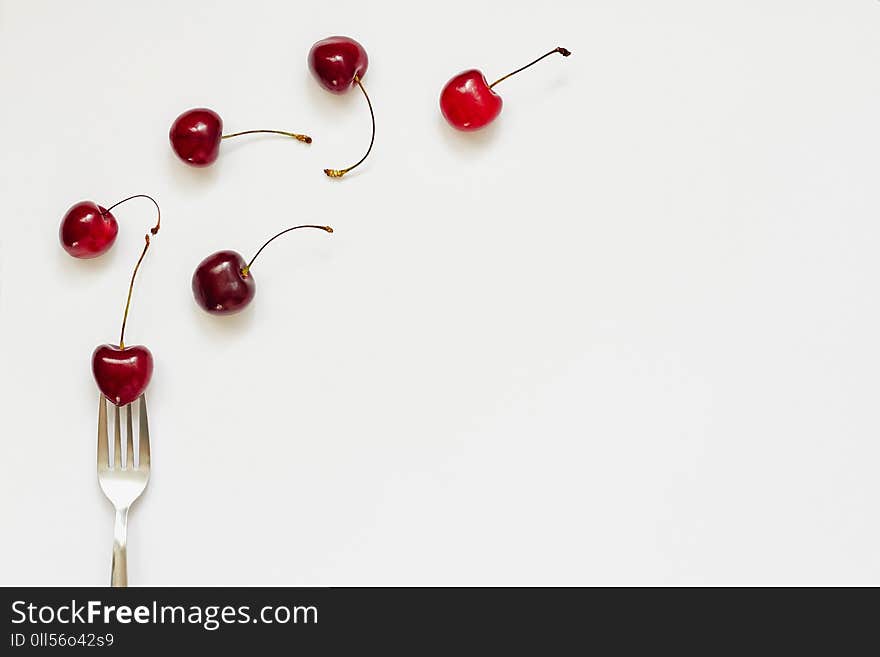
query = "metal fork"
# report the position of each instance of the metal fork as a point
(124, 480)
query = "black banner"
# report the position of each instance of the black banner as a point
(413, 621)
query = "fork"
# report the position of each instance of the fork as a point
(125, 478)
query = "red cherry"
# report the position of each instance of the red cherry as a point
(122, 375)
(220, 285)
(196, 134)
(468, 101)
(87, 230)
(223, 283)
(338, 63)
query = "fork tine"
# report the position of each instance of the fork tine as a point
(103, 445)
(117, 441)
(129, 439)
(144, 435)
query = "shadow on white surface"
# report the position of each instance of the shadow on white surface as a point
(78, 268)
(188, 177)
(223, 327)
(468, 144)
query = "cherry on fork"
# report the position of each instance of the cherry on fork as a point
(123, 373)
(196, 135)
(89, 230)
(223, 283)
(339, 63)
(468, 102)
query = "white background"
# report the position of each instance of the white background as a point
(626, 335)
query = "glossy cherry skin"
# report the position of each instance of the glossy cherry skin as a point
(335, 61)
(87, 230)
(219, 284)
(195, 136)
(122, 375)
(468, 103)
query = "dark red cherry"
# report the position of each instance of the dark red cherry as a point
(468, 101)
(223, 283)
(220, 284)
(87, 230)
(195, 136)
(335, 61)
(122, 375)
(338, 63)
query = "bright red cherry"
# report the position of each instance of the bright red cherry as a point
(338, 63)
(87, 230)
(223, 283)
(122, 375)
(468, 101)
(196, 134)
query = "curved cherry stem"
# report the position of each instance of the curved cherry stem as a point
(562, 51)
(295, 135)
(130, 290)
(154, 229)
(338, 173)
(246, 269)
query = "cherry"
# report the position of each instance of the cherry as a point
(89, 230)
(196, 134)
(219, 285)
(123, 373)
(338, 63)
(223, 283)
(468, 101)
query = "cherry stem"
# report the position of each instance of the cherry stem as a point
(154, 229)
(338, 173)
(246, 270)
(562, 51)
(130, 289)
(303, 138)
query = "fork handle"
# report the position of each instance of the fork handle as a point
(119, 568)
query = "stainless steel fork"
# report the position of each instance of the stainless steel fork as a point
(123, 478)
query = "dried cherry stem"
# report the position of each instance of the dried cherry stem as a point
(246, 269)
(295, 135)
(338, 173)
(562, 51)
(154, 229)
